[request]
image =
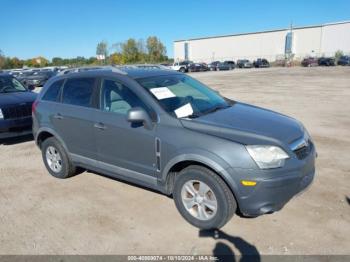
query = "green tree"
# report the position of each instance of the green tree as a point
(102, 49)
(15, 62)
(116, 59)
(39, 61)
(130, 51)
(57, 61)
(156, 49)
(2, 59)
(338, 54)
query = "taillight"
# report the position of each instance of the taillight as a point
(34, 105)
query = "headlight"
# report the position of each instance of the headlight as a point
(267, 156)
(1, 115)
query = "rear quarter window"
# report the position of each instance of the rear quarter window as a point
(53, 91)
(78, 91)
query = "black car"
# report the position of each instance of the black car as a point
(213, 65)
(230, 63)
(39, 78)
(261, 62)
(197, 67)
(344, 60)
(326, 61)
(15, 107)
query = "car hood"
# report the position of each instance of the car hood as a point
(7, 99)
(248, 124)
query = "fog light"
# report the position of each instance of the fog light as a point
(248, 183)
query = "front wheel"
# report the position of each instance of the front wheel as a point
(182, 70)
(203, 198)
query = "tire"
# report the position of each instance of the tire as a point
(217, 192)
(67, 169)
(182, 70)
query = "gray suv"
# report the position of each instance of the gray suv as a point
(166, 131)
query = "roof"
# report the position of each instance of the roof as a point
(133, 71)
(261, 32)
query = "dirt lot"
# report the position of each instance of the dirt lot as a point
(91, 214)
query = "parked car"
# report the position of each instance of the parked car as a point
(181, 66)
(326, 61)
(169, 132)
(213, 66)
(344, 60)
(15, 107)
(197, 67)
(231, 64)
(217, 65)
(37, 78)
(244, 63)
(309, 61)
(261, 62)
(224, 66)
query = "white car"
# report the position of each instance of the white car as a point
(181, 66)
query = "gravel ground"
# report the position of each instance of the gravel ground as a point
(92, 214)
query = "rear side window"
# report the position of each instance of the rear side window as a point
(78, 91)
(53, 91)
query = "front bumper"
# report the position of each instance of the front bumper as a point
(274, 187)
(15, 127)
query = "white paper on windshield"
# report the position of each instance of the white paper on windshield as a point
(162, 93)
(184, 111)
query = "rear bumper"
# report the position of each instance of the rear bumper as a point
(15, 127)
(272, 193)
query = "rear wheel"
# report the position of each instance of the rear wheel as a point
(56, 159)
(203, 198)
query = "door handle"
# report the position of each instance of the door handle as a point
(100, 126)
(58, 116)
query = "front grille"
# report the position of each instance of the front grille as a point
(303, 152)
(18, 111)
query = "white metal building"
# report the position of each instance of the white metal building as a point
(319, 40)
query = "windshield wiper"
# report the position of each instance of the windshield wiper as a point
(215, 108)
(194, 115)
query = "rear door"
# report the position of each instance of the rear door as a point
(74, 118)
(120, 143)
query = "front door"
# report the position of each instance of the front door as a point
(122, 146)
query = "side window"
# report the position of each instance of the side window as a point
(53, 91)
(117, 98)
(78, 91)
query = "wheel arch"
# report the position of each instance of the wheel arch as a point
(44, 133)
(213, 163)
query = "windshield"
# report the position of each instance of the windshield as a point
(183, 96)
(11, 85)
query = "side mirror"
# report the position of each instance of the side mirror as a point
(138, 115)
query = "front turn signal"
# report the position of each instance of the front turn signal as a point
(248, 183)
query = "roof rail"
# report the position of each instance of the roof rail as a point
(90, 68)
(143, 66)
